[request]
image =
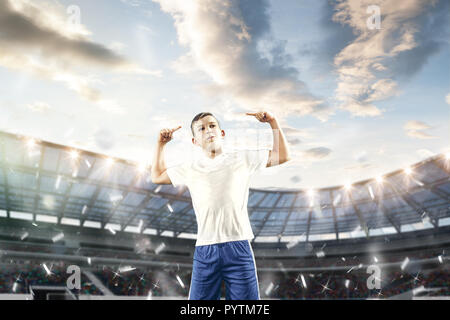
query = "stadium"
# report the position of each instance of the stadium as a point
(64, 208)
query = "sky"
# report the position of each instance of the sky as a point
(357, 95)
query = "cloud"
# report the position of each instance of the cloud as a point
(361, 156)
(447, 99)
(315, 153)
(420, 135)
(415, 129)
(105, 139)
(416, 125)
(231, 42)
(39, 107)
(37, 38)
(370, 66)
(425, 153)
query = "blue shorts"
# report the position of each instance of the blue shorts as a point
(232, 262)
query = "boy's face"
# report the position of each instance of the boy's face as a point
(207, 134)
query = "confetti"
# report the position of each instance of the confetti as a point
(371, 193)
(58, 181)
(320, 254)
(141, 224)
(111, 230)
(89, 260)
(303, 281)
(158, 189)
(83, 211)
(160, 248)
(440, 259)
(347, 283)
(336, 200)
(126, 269)
(58, 237)
(405, 263)
(180, 282)
(46, 269)
(269, 289)
(24, 236)
(170, 207)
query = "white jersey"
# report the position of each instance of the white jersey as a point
(219, 190)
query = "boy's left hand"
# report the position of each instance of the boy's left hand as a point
(262, 116)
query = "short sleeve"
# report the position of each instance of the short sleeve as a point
(256, 159)
(178, 174)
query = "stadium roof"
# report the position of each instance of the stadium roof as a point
(42, 181)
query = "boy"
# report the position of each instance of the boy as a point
(219, 185)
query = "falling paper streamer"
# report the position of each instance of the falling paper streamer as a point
(269, 289)
(111, 230)
(303, 281)
(292, 244)
(58, 237)
(141, 224)
(126, 269)
(375, 259)
(46, 269)
(87, 163)
(24, 236)
(83, 211)
(320, 254)
(160, 248)
(89, 260)
(149, 296)
(347, 283)
(58, 181)
(180, 282)
(336, 200)
(440, 259)
(14, 287)
(405, 263)
(158, 189)
(170, 207)
(371, 193)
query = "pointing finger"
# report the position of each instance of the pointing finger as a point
(173, 130)
(250, 113)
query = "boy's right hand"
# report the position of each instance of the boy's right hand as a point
(165, 135)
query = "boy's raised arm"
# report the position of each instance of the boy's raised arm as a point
(158, 172)
(280, 151)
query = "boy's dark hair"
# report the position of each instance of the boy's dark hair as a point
(201, 115)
